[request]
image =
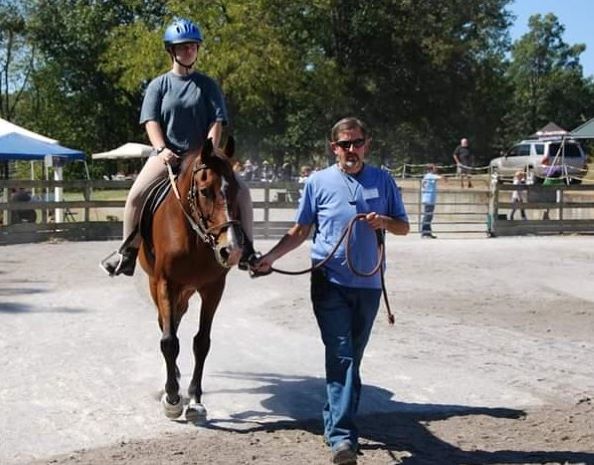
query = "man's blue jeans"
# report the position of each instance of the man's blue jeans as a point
(345, 316)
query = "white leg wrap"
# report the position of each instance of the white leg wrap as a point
(195, 412)
(172, 411)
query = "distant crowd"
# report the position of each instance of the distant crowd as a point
(266, 172)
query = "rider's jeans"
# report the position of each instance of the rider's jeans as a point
(345, 316)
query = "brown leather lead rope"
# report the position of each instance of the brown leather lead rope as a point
(346, 234)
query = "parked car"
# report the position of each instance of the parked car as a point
(535, 156)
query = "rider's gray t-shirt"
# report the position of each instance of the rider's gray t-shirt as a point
(185, 107)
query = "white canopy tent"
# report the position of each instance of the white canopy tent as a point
(129, 150)
(7, 127)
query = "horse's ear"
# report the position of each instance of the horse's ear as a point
(230, 147)
(207, 149)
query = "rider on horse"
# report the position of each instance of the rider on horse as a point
(181, 110)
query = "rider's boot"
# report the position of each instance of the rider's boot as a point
(122, 261)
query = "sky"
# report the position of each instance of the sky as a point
(575, 15)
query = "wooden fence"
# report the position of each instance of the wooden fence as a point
(92, 210)
(560, 209)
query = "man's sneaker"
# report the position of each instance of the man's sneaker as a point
(344, 454)
(120, 262)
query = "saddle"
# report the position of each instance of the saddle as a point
(156, 194)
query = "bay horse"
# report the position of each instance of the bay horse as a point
(195, 238)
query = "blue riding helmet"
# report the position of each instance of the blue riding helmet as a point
(181, 31)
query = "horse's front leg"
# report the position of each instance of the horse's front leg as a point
(169, 321)
(210, 301)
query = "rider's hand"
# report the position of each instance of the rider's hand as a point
(168, 156)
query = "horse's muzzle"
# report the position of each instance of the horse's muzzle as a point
(227, 256)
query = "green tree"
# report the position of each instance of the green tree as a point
(73, 98)
(16, 57)
(412, 68)
(547, 78)
(266, 56)
(422, 73)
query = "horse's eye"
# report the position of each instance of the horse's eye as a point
(205, 192)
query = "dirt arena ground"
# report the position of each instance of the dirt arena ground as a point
(490, 361)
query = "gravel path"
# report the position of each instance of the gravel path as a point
(489, 362)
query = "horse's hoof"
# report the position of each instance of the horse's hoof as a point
(172, 411)
(195, 412)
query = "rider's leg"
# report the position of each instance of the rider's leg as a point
(246, 218)
(123, 261)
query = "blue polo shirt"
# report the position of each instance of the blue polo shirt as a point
(331, 198)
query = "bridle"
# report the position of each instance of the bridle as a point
(197, 219)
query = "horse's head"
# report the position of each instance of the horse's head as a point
(212, 198)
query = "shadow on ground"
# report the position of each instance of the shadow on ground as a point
(15, 307)
(396, 427)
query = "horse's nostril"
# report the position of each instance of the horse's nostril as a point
(224, 253)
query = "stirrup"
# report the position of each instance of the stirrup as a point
(123, 262)
(110, 266)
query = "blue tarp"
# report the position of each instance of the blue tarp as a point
(15, 146)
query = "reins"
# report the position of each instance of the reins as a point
(205, 234)
(346, 234)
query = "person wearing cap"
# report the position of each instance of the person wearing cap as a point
(180, 111)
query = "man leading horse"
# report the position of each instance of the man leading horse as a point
(345, 303)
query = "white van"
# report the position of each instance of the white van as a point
(536, 156)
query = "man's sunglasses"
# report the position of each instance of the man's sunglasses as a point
(346, 144)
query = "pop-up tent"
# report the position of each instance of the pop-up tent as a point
(19, 146)
(15, 146)
(7, 126)
(585, 131)
(550, 130)
(125, 161)
(129, 150)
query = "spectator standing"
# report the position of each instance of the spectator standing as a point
(249, 170)
(304, 173)
(237, 167)
(518, 196)
(463, 157)
(429, 199)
